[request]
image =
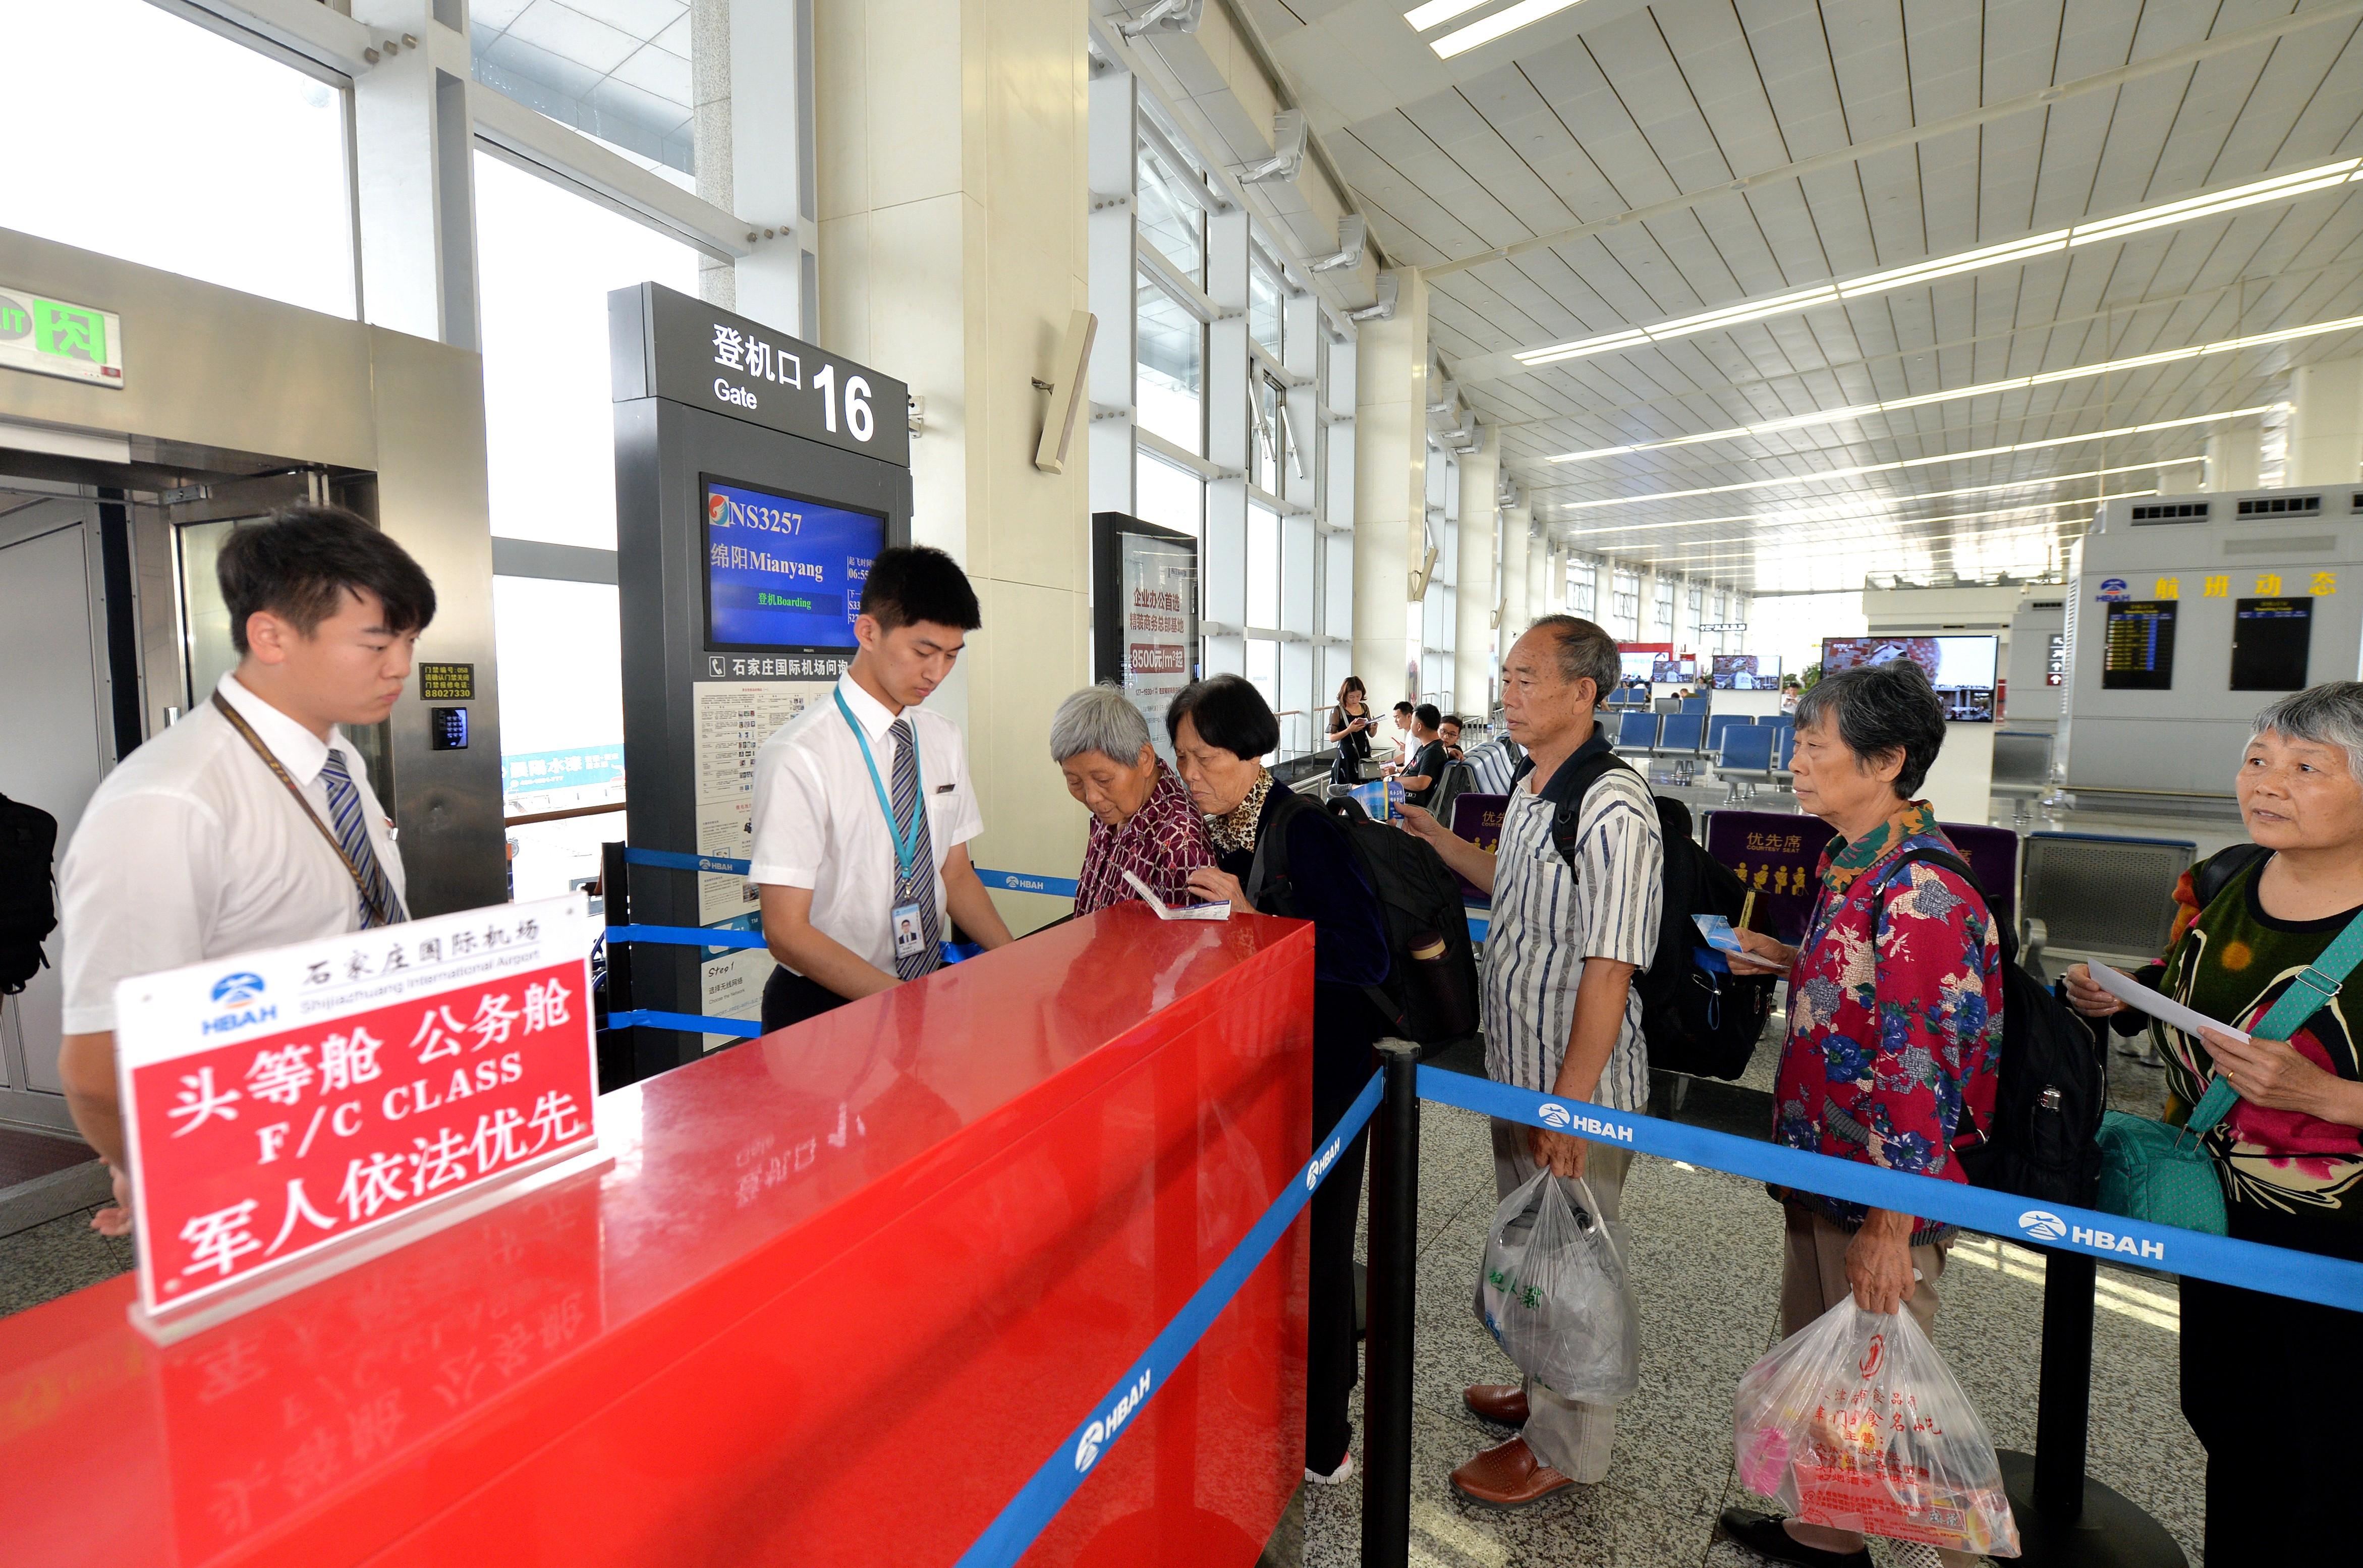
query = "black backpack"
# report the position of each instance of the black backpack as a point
(29, 910)
(1697, 1020)
(1430, 991)
(2044, 1142)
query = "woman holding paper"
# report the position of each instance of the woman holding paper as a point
(1895, 1025)
(1142, 821)
(2249, 921)
(1222, 729)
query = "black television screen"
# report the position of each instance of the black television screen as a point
(1745, 673)
(2271, 643)
(784, 572)
(1665, 671)
(1962, 668)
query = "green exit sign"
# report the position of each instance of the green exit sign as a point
(55, 337)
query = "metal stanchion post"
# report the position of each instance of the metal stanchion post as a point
(1394, 1252)
(616, 1067)
(2065, 1518)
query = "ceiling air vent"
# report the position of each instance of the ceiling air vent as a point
(2047, 604)
(2281, 506)
(2172, 512)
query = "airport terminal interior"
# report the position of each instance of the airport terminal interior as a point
(1307, 341)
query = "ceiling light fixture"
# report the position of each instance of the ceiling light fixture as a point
(2277, 187)
(1983, 389)
(1870, 508)
(1436, 13)
(1525, 13)
(1924, 461)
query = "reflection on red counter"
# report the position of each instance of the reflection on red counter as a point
(843, 1289)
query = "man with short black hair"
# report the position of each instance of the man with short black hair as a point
(1425, 768)
(1403, 711)
(863, 808)
(1448, 731)
(251, 823)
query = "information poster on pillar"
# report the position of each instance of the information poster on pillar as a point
(288, 1101)
(1160, 595)
(732, 720)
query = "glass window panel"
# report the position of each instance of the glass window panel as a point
(1270, 456)
(1167, 495)
(1170, 220)
(620, 74)
(561, 690)
(1263, 567)
(1168, 384)
(145, 137)
(1263, 672)
(546, 261)
(1266, 312)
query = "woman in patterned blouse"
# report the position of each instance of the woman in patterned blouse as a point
(1895, 1040)
(1142, 820)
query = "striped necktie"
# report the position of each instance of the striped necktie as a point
(919, 886)
(380, 905)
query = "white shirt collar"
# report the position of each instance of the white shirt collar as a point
(868, 711)
(300, 752)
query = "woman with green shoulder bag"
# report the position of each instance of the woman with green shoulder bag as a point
(2271, 945)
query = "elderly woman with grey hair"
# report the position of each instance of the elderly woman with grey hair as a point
(2262, 1375)
(1895, 1047)
(1142, 820)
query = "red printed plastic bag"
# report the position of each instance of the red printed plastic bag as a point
(1855, 1422)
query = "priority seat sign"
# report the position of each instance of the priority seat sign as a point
(280, 1104)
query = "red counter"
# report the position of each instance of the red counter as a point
(842, 1291)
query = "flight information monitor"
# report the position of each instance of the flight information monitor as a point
(782, 571)
(2271, 643)
(2139, 651)
(1962, 668)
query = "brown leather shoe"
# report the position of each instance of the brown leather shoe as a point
(1508, 1477)
(1504, 1404)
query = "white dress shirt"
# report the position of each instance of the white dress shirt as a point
(191, 848)
(817, 822)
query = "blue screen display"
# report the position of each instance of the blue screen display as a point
(781, 573)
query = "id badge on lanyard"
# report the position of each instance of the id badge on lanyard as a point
(909, 939)
(908, 923)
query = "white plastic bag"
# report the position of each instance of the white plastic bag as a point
(1855, 1422)
(1553, 1291)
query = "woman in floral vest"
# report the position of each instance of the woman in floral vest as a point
(1894, 1025)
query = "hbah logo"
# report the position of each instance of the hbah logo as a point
(1557, 1114)
(234, 994)
(2043, 1225)
(1320, 1167)
(1102, 1431)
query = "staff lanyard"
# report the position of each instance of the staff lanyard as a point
(906, 845)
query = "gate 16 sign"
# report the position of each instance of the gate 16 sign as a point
(280, 1102)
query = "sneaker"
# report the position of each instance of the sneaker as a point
(1335, 1477)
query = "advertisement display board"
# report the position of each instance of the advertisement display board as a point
(1964, 670)
(1145, 625)
(1745, 671)
(283, 1106)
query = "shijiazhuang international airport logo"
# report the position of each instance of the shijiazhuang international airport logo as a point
(1557, 1114)
(2043, 1225)
(237, 990)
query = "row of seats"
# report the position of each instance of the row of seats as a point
(1737, 745)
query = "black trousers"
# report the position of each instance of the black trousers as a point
(790, 998)
(2266, 1384)
(1344, 1028)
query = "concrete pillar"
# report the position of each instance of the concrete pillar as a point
(414, 146)
(1389, 490)
(951, 145)
(2325, 442)
(1473, 643)
(2234, 456)
(1538, 598)
(1516, 556)
(754, 155)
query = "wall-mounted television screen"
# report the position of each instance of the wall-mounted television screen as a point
(1638, 666)
(1746, 672)
(783, 571)
(1962, 668)
(1666, 670)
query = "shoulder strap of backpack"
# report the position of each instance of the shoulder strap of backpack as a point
(1958, 867)
(2210, 876)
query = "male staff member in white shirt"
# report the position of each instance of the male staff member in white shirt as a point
(863, 808)
(251, 823)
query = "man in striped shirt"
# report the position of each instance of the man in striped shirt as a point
(1562, 1015)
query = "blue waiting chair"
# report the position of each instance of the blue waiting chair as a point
(1722, 724)
(1746, 754)
(1681, 734)
(1694, 705)
(1637, 731)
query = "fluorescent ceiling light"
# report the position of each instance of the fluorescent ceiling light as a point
(2277, 187)
(1827, 474)
(1523, 13)
(1983, 389)
(1878, 505)
(1436, 13)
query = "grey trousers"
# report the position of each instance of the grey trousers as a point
(1569, 1436)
